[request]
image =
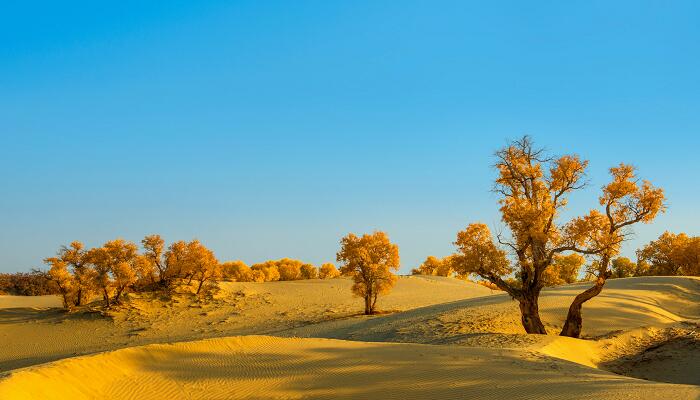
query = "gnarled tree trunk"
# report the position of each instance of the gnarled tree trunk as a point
(530, 315)
(574, 321)
(368, 304)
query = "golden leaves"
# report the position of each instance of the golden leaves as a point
(369, 260)
(477, 253)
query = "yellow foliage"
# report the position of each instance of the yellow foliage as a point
(533, 189)
(672, 254)
(328, 271)
(237, 271)
(308, 271)
(369, 260)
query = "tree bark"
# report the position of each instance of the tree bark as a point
(118, 294)
(79, 296)
(530, 315)
(105, 296)
(574, 321)
(199, 287)
(368, 304)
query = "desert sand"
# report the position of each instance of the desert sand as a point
(439, 338)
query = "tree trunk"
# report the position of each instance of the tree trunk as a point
(118, 294)
(368, 304)
(530, 315)
(199, 287)
(79, 296)
(105, 296)
(574, 321)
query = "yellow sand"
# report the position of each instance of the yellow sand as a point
(472, 347)
(255, 367)
(29, 301)
(31, 336)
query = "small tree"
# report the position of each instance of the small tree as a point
(257, 276)
(269, 270)
(623, 267)
(74, 256)
(178, 264)
(153, 247)
(429, 266)
(290, 270)
(58, 273)
(145, 271)
(113, 264)
(672, 254)
(369, 260)
(205, 266)
(308, 271)
(564, 269)
(237, 271)
(328, 271)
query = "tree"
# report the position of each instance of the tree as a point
(204, 265)
(672, 254)
(237, 271)
(622, 267)
(626, 201)
(257, 276)
(34, 283)
(153, 246)
(177, 263)
(308, 271)
(58, 273)
(290, 270)
(435, 266)
(369, 260)
(75, 258)
(145, 271)
(269, 270)
(533, 190)
(114, 267)
(564, 269)
(328, 271)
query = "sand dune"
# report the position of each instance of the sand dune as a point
(32, 336)
(255, 367)
(447, 339)
(624, 304)
(30, 301)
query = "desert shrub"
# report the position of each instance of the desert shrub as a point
(328, 271)
(257, 276)
(623, 267)
(308, 271)
(237, 271)
(290, 270)
(436, 266)
(671, 254)
(269, 270)
(34, 283)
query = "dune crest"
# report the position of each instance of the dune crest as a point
(253, 367)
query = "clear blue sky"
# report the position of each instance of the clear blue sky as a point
(271, 129)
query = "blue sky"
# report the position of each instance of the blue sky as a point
(271, 129)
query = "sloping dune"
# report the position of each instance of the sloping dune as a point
(30, 301)
(255, 367)
(624, 304)
(451, 339)
(32, 336)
